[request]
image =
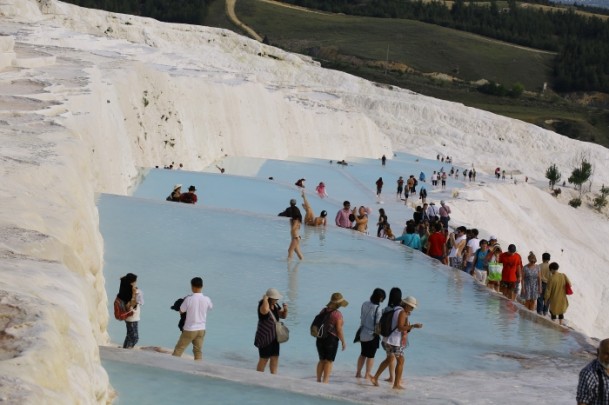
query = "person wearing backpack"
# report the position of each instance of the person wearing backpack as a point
(368, 337)
(332, 333)
(396, 341)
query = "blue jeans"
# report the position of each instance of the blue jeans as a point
(542, 308)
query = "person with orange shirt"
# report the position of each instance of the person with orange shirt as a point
(511, 273)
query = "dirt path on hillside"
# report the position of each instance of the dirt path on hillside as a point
(230, 12)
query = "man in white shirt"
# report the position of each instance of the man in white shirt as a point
(195, 306)
(472, 245)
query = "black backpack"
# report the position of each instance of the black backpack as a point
(386, 322)
(318, 326)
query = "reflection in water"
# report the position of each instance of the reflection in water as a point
(292, 292)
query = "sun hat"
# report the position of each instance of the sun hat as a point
(273, 294)
(410, 301)
(177, 186)
(337, 300)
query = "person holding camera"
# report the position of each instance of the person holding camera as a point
(269, 312)
(127, 306)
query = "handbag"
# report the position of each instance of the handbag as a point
(357, 333)
(568, 289)
(281, 331)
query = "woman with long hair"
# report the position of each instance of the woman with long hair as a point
(127, 308)
(369, 319)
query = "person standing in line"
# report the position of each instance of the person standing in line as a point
(400, 189)
(444, 212)
(379, 187)
(511, 273)
(531, 282)
(556, 293)
(480, 265)
(369, 319)
(269, 312)
(395, 343)
(593, 384)
(457, 242)
(544, 269)
(196, 307)
(190, 197)
(495, 269)
(437, 243)
(472, 245)
(127, 308)
(328, 346)
(342, 217)
(294, 238)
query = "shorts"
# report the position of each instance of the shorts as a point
(509, 285)
(456, 262)
(397, 351)
(327, 347)
(370, 347)
(272, 350)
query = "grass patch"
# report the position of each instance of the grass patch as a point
(424, 47)
(350, 43)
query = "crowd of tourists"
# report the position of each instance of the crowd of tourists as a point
(541, 287)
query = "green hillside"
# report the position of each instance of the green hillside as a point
(362, 45)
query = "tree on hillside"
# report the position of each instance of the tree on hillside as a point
(581, 173)
(553, 175)
(600, 201)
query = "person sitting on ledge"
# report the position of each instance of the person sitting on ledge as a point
(190, 197)
(175, 194)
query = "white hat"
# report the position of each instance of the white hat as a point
(273, 294)
(177, 186)
(411, 301)
(492, 237)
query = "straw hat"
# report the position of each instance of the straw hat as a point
(411, 301)
(177, 186)
(337, 301)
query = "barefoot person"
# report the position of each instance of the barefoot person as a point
(395, 343)
(295, 238)
(195, 306)
(269, 312)
(369, 340)
(327, 346)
